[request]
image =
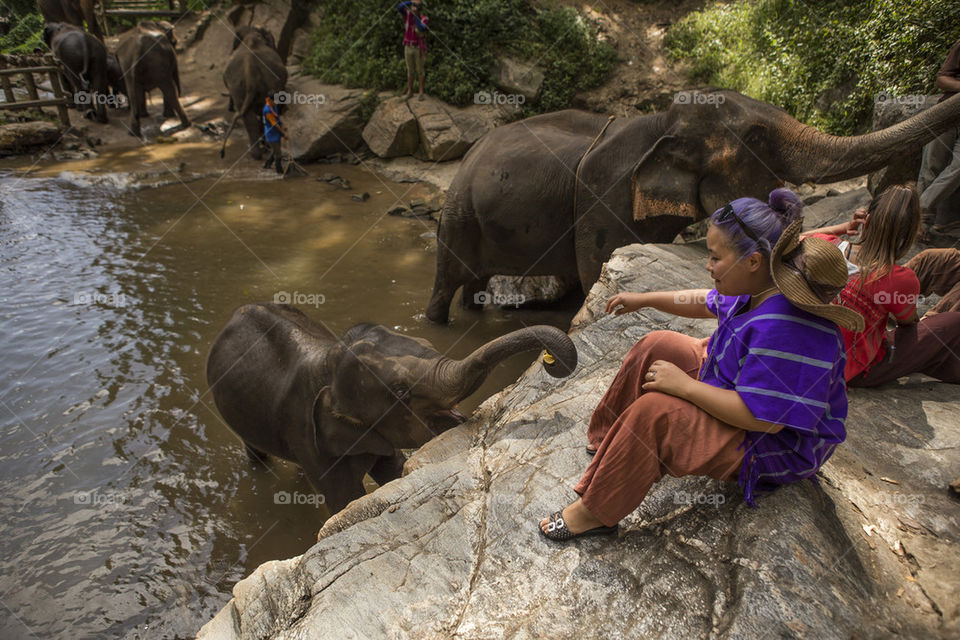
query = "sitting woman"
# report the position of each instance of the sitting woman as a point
(879, 289)
(770, 401)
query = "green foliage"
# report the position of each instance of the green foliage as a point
(825, 62)
(368, 104)
(25, 35)
(359, 44)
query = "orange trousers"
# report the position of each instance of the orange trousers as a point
(642, 436)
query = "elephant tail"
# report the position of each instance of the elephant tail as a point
(247, 105)
(84, 79)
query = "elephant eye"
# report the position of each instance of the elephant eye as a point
(402, 394)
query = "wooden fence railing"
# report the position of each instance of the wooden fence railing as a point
(33, 101)
(145, 8)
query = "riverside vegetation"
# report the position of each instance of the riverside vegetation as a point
(826, 63)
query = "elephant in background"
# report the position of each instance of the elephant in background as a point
(515, 206)
(115, 84)
(253, 72)
(148, 61)
(342, 408)
(71, 12)
(83, 61)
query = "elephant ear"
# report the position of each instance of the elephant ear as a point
(341, 434)
(664, 181)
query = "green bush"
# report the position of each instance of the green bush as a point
(360, 44)
(25, 35)
(825, 62)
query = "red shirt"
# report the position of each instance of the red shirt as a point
(895, 293)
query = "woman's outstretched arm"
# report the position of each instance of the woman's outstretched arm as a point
(691, 303)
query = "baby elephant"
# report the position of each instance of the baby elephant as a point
(344, 407)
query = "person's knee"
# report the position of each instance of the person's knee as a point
(663, 345)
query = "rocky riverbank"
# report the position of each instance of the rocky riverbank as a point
(451, 549)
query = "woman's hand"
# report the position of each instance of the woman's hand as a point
(666, 377)
(856, 225)
(627, 302)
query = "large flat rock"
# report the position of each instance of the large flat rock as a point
(451, 549)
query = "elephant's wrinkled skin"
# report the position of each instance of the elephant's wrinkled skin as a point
(510, 210)
(341, 408)
(148, 61)
(253, 72)
(83, 61)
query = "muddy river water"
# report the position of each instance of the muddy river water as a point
(129, 509)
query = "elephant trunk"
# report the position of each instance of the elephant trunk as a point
(819, 157)
(457, 379)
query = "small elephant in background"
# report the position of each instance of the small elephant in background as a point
(148, 61)
(344, 407)
(253, 72)
(115, 83)
(83, 62)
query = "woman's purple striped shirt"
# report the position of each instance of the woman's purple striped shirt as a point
(787, 366)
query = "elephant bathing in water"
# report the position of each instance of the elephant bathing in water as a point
(253, 72)
(516, 206)
(342, 408)
(148, 61)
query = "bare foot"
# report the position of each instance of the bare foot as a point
(577, 519)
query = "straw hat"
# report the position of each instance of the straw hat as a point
(810, 273)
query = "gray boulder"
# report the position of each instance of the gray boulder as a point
(451, 549)
(322, 119)
(440, 136)
(22, 137)
(888, 110)
(430, 129)
(392, 130)
(518, 78)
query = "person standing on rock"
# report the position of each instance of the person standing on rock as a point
(940, 168)
(879, 289)
(414, 42)
(763, 400)
(273, 132)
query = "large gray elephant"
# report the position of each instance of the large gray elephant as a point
(148, 61)
(254, 71)
(83, 60)
(71, 12)
(342, 408)
(516, 208)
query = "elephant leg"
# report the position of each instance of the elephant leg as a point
(457, 261)
(252, 124)
(387, 468)
(170, 99)
(473, 296)
(338, 480)
(100, 92)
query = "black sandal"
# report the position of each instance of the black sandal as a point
(590, 451)
(557, 530)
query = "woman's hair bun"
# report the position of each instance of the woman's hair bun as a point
(786, 204)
